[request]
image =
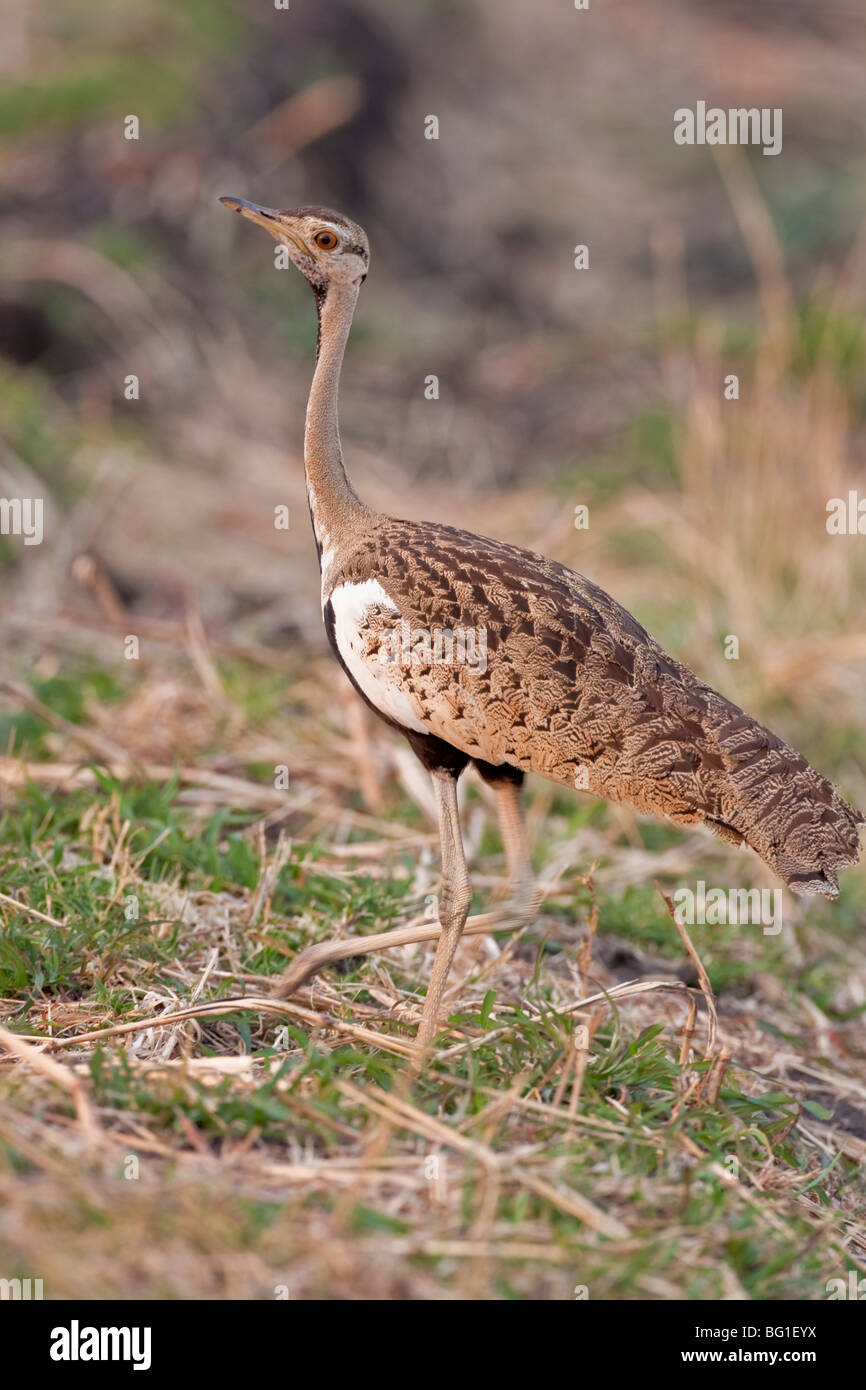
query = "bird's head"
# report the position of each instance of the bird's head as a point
(325, 246)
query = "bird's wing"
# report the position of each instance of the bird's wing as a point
(512, 657)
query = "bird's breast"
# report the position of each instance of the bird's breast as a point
(364, 617)
(424, 680)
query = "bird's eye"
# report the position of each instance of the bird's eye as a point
(325, 240)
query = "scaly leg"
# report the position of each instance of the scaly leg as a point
(523, 895)
(454, 901)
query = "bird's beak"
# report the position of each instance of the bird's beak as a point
(251, 210)
(273, 221)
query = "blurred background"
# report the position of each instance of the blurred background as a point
(557, 387)
(153, 778)
(602, 387)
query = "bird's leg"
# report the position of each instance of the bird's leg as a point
(445, 764)
(454, 900)
(523, 895)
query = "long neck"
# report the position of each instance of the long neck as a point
(333, 501)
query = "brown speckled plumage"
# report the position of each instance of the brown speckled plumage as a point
(574, 682)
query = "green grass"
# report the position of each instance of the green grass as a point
(643, 1144)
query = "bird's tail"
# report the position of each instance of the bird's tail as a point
(786, 811)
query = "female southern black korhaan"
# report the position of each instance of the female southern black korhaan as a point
(572, 686)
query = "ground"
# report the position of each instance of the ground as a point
(553, 1148)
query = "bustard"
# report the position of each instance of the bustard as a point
(571, 687)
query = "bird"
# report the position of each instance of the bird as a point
(480, 652)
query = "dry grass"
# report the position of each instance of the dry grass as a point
(185, 1136)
